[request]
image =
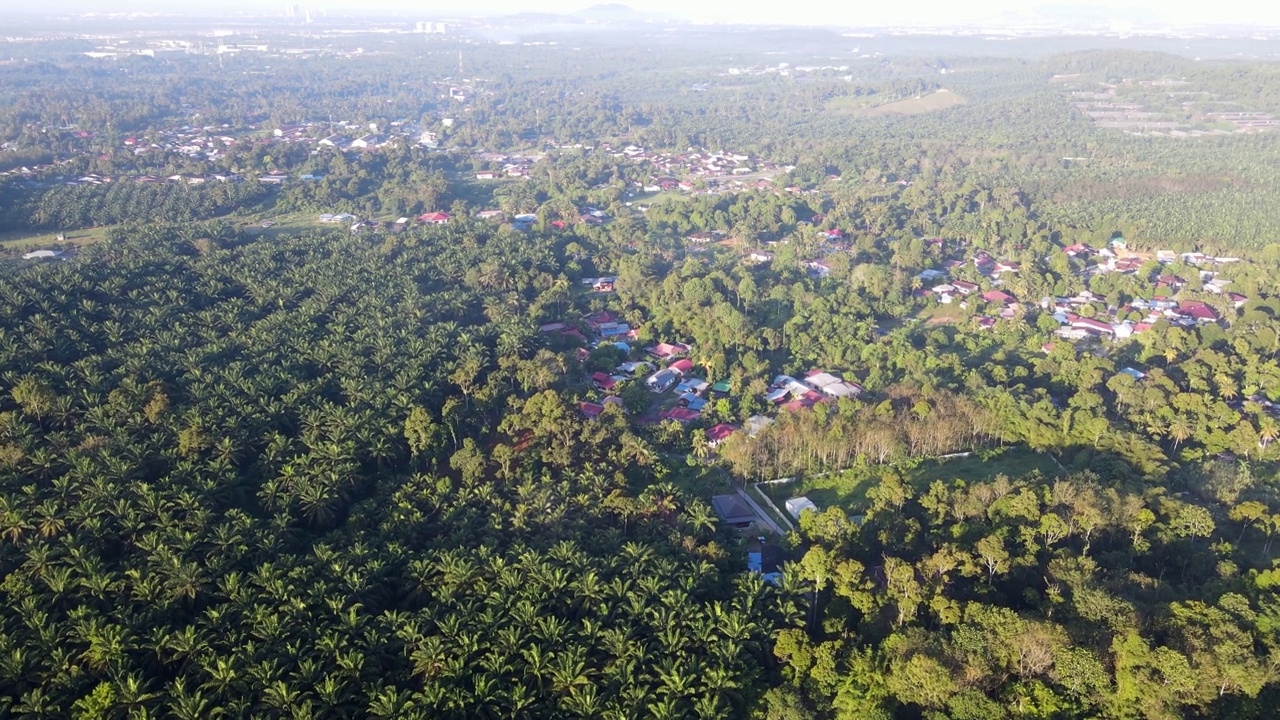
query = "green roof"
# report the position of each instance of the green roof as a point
(722, 387)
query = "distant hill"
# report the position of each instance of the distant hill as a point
(613, 12)
(535, 18)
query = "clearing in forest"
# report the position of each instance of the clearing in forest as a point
(848, 489)
(940, 99)
(32, 239)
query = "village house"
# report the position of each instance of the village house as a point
(1091, 326)
(601, 318)
(998, 297)
(667, 351)
(435, 218)
(691, 401)
(831, 385)
(717, 434)
(680, 414)
(337, 218)
(818, 269)
(1126, 265)
(695, 386)
(1197, 311)
(633, 368)
(613, 330)
(605, 382)
(661, 380)
(757, 424)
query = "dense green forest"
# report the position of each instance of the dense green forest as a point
(397, 470)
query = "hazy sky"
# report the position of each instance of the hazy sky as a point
(808, 12)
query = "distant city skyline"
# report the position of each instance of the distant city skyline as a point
(801, 12)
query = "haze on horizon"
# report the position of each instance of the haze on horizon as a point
(800, 12)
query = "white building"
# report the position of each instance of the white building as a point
(832, 386)
(797, 505)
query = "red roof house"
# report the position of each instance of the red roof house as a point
(666, 350)
(435, 218)
(997, 296)
(1197, 310)
(590, 410)
(681, 366)
(720, 433)
(601, 318)
(681, 414)
(1091, 325)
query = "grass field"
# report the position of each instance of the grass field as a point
(660, 197)
(283, 224)
(940, 100)
(942, 313)
(26, 240)
(934, 101)
(848, 489)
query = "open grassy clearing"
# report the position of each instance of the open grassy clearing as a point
(848, 489)
(940, 99)
(934, 101)
(950, 313)
(286, 223)
(29, 240)
(660, 197)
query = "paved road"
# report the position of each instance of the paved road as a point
(760, 512)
